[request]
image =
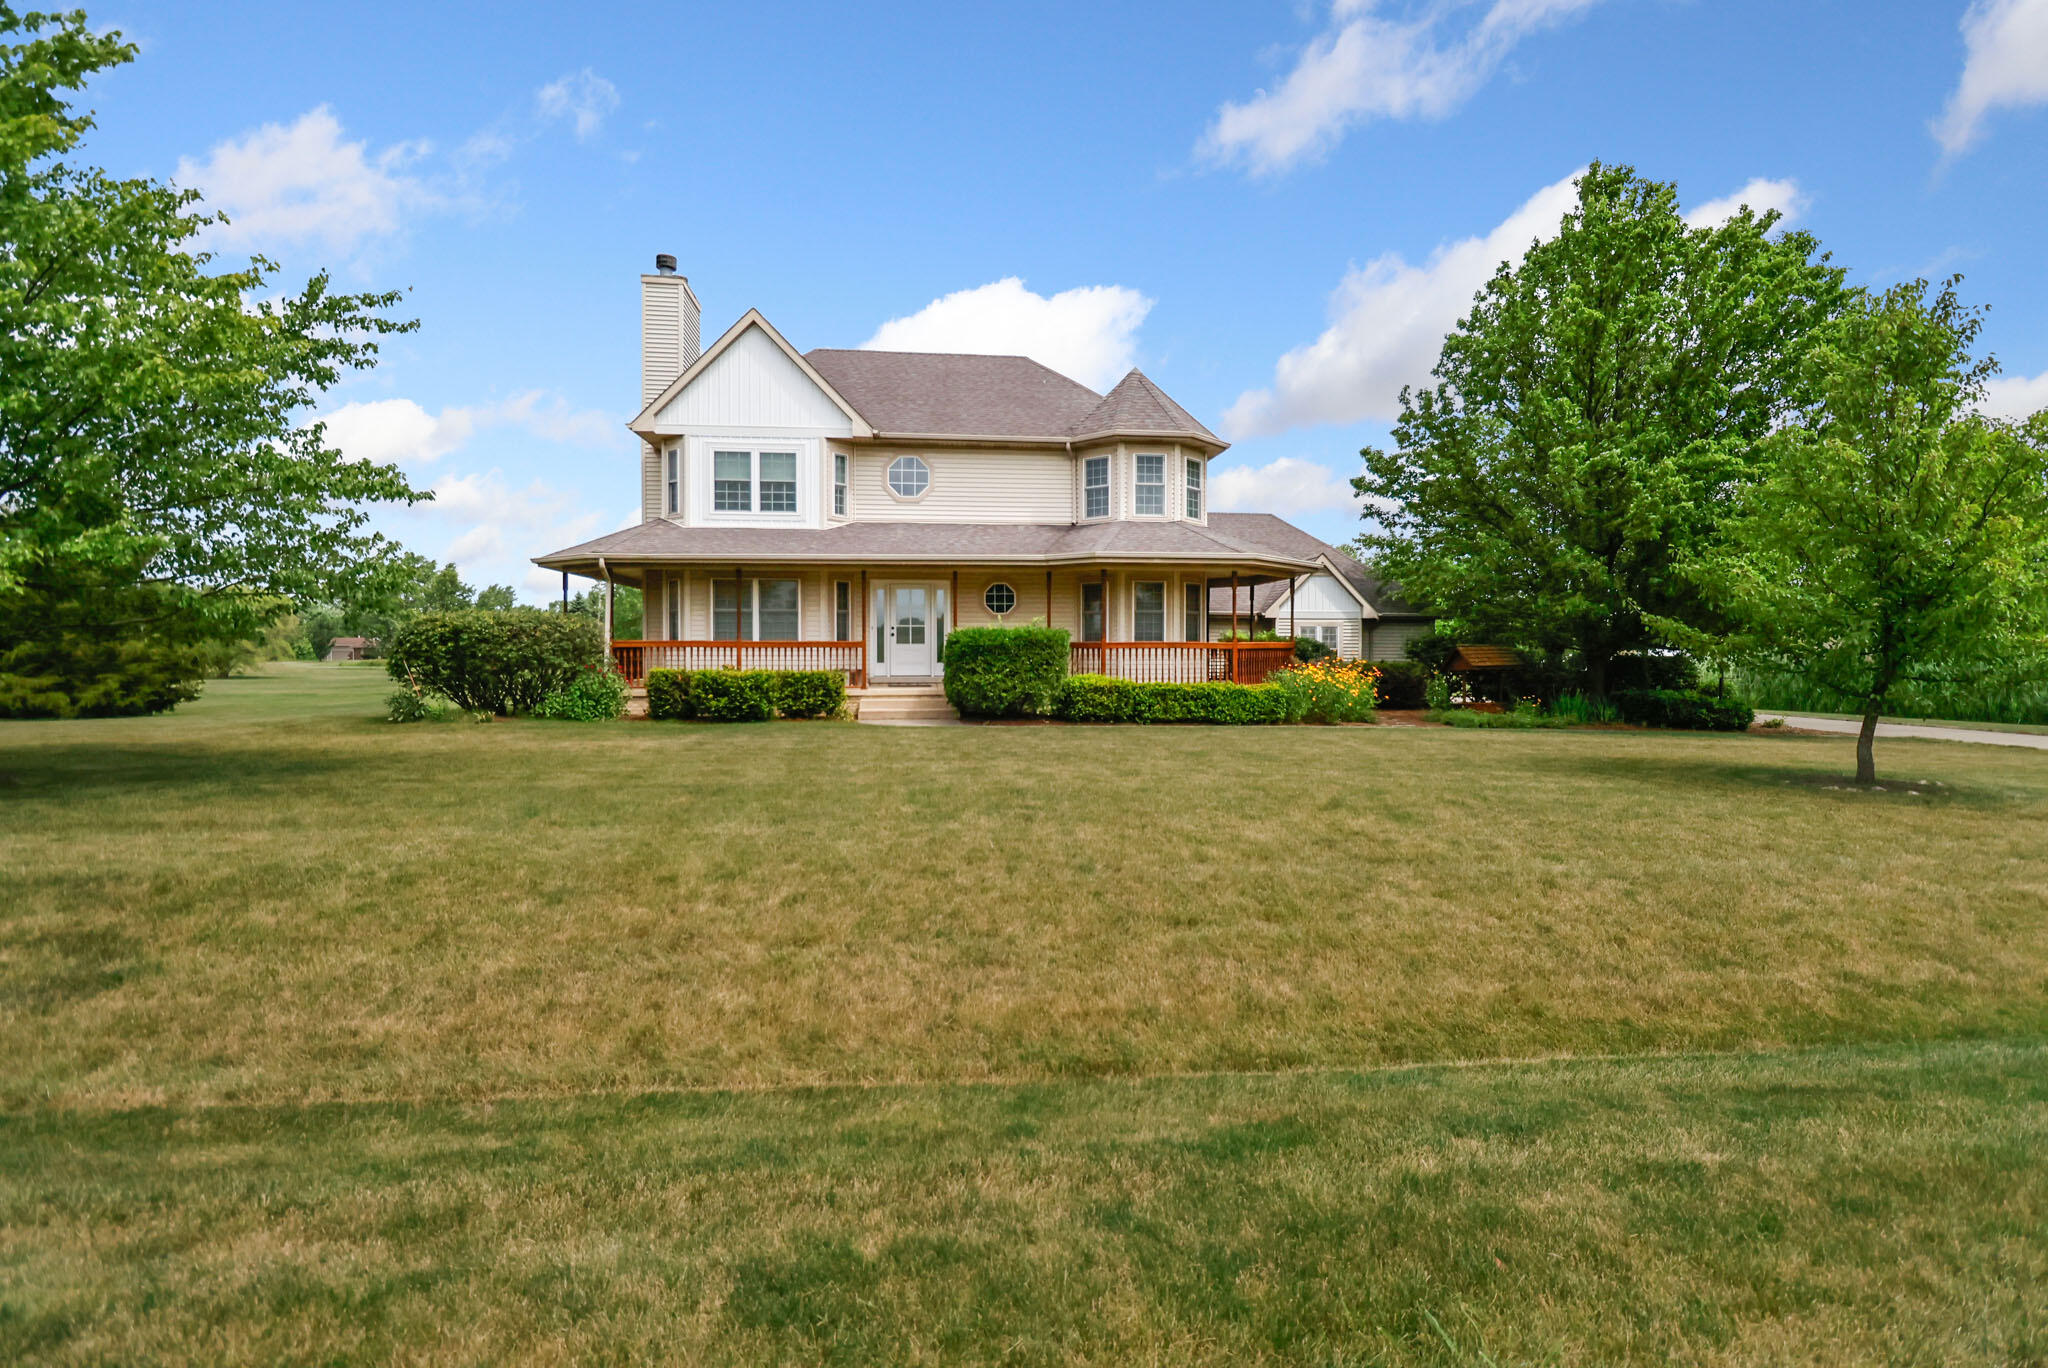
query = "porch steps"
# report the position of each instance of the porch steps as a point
(910, 707)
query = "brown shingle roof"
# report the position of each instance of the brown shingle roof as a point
(1263, 529)
(937, 393)
(1137, 406)
(1045, 543)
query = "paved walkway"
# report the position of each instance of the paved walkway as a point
(1975, 735)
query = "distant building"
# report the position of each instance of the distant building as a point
(351, 648)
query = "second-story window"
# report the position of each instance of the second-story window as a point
(778, 482)
(732, 481)
(1150, 494)
(675, 491)
(1194, 488)
(1095, 487)
(909, 477)
(839, 483)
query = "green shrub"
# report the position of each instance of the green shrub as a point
(1668, 670)
(593, 696)
(1432, 652)
(1307, 648)
(1005, 671)
(668, 694)
(411, 703)
(1436, 693)
(500, 661)
(810, 693)
(1100, 698)
(1683, 710)
(1579, 710)
(1402, 684)
(76, 676)
(1518, 719)
(733, 695)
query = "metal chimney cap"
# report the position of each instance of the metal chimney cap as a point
(664, 264)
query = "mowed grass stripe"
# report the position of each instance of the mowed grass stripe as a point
(273, 896)
(1830, 1207)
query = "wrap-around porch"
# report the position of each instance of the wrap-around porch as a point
(882, 625)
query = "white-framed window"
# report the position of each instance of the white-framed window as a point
(909, 477)
(1095, 487)
(1321, 632)
(1091, 611)
(765, 611)
(673, 592)
(1150, 493)
(674, 458)
(1148, 610)
(839, 483)
(1194, 487)
(999, 598)
(842, 608)
(732, 481)
(778, 482)
(1191, 613)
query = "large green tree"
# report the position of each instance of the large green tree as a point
(1900, 536)
(1590, 420)
(157, 479)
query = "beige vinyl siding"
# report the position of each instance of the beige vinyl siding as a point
(1349, 633)
(661, 334)
(650, 483)
(1390, 639)
(986, 486)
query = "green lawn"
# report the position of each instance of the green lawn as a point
(331, 1041)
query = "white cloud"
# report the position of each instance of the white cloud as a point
(583, 97)
(2016, 396)
(399, 430)
(1286, 484)
(307, 183)
(502, 525)
(1389, 318)
(1388, 325)
(2005, 65)
(1089, 333)
(1760, 194)
(1364, 66)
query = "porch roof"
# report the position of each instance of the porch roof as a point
(1064, 544)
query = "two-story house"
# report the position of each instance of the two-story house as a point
(841, 509)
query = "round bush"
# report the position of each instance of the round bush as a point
(493, 660)
(1005, 671)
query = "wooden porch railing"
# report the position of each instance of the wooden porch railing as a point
(633, 659)
(1181, 662)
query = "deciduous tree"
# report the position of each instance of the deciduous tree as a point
(1900, 535)
(1591, 418)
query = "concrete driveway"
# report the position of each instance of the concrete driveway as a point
(1973, 735)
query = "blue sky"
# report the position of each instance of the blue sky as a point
(1274, 209)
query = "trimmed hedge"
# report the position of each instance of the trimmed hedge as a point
(1403, 684)
(732, 695)
(1005, 671)
(809, 693)
(668, 694)
(1683, 710)
(1101, 698)
(496, 660)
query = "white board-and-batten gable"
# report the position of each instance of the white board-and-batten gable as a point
(751, 380)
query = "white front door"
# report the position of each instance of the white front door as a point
(911, 631)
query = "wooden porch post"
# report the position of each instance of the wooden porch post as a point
(1293, 589)
(1236, 638)
(1048, 598)
(605, 570)
(863, 629)
(1102, 652)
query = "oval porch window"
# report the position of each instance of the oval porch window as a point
(999, 598)
(909, 476)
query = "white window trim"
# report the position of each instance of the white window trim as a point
(1138, 485)
(1108, 488)
(753, 584)
(1193, 493)
(672, 591)
(672, 470)
(852, 617)
(1200, 590)
(990, 588)
(702, 464)
(842, 484)
(930, 478)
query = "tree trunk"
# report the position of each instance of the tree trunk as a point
(1866, 758)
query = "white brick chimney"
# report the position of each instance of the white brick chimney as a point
(669, 315)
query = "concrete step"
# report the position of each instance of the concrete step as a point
(906, 706)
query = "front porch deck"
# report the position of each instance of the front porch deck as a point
(1151, 662)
